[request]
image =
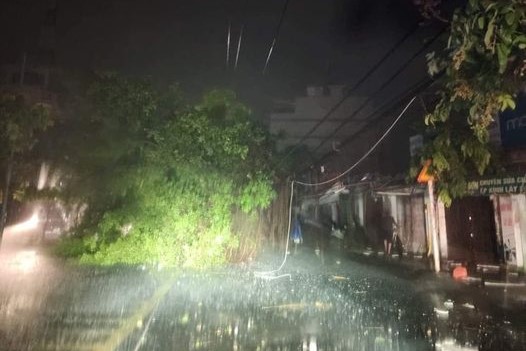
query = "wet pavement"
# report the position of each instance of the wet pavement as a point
(348, 303)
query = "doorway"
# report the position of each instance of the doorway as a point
(471, 233)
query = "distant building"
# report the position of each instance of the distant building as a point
(293, 120)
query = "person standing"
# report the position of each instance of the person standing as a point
(388, 225)
(297, 233)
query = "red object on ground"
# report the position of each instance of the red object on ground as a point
(460, 272)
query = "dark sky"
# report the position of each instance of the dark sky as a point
(321, 41)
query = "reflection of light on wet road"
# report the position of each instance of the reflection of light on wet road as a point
(130, 324)
(320, 306)
(450, 344)
(56, 306)
(30, 224)
(313, 346)
(24, 261)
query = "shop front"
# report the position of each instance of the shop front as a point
(407, 205)
(508, 198)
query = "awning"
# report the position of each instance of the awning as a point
(333, 194)
(401, 190)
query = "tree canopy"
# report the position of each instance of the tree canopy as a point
(483, 68)
(20, 124)
(163, 179)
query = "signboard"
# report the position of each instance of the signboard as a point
(498, 185)
(513, 124)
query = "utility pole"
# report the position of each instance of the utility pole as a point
(425, 177)
(432, 216)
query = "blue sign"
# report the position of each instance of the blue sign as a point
(513, 124)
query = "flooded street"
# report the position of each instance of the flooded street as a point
(315, 175)
(349, 303)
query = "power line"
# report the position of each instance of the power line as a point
(267, 273)
(383, 86)
(414, 90)
(374, 116)
(368, 151)
(351, 90)
(354, 87)
(276, 34)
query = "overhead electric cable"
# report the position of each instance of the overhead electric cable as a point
(366, 154)
(276, 34)
(416, 89)
(353, 88)
(266, 273)
(374, 116)
(383, 86)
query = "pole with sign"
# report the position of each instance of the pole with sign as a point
(425, 177)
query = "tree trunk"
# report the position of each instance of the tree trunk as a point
(279, 216)
(5, 197)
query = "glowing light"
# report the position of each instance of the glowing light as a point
(31, 223)
(25, 260)
(313, 344)
(43, 176)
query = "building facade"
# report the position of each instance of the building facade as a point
(487, 227)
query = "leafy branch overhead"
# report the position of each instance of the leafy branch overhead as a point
(484, 64)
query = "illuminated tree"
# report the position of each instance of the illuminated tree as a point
(163, 180)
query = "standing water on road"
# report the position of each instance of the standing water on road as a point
(47, 304)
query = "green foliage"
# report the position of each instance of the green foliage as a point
(257, 193)
(72, 247)
(484, 65)
(20, 124)
(162, 180)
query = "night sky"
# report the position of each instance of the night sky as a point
(321, 41)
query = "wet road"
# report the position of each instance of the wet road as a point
(345, 304)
